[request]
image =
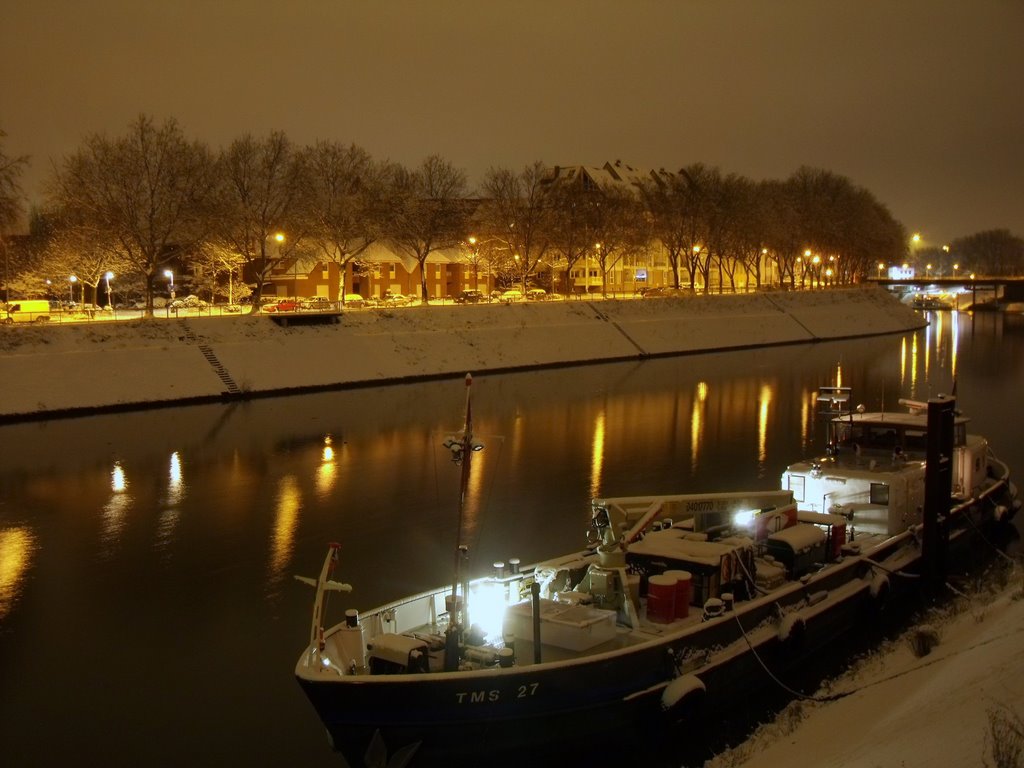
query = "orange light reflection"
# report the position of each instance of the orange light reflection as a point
(17, 546)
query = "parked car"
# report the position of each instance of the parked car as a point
(470, 297)
(390, 299)
(317, 303)
(660, 291)
(536, 294)
(188, 302)
(353, 301)
(284, 305)
(511, 295)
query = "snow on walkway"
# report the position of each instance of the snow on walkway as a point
(108, 364)
(905, 711)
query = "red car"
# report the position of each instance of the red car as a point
(286, 305)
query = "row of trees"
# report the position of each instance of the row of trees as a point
(152, 198)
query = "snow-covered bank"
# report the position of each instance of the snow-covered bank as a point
(49, 371)
(936, 710)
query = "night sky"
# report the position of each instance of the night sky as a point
(920, 101)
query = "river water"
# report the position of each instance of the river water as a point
(148, 614)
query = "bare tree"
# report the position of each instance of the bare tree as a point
(352, 197)
(670, 220)
(431, 212)
(518, 213)
(572, 238)
(992, 252)
(148, 194)
(616, 222)
(87, 255)
(265, 204)
(11, 209)
(217, 271)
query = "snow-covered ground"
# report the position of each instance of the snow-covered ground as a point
(942, 710)
(89, 365)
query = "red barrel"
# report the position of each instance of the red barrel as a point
(684, 589)
(661, 599)
(838, 539)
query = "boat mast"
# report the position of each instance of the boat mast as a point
(462, 449)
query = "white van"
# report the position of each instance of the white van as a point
(25, 311)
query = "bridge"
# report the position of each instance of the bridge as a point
(1004, 288)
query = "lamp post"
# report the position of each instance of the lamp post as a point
(476, 259)
(110, 299)
(71, 288)
(881, 266)
(170, 277)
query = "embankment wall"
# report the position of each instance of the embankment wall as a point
(57, 371)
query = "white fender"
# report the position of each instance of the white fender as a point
(791, 627)
(879, 586)
(685, 688)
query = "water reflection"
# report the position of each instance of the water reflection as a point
(286, 519)
(17, 546)
(597, 454)
(327, 472)
(175, 482)
(697, 422)
(115, 510)
(807, 402)
(764, 401)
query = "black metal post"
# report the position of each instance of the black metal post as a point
(938, 488)
(535, 593)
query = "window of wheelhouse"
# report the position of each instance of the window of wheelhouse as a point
(879, 494)
(796, 485)
(915, 440)
(960, 434)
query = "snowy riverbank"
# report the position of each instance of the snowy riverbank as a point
(52, 371)
(956, 706)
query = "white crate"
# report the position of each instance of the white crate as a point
(572, 627)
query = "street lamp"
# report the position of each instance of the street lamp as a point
(881, 266)
(476, 262)
(71, 288)
(170, 277)
(110, 299)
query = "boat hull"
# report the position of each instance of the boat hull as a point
(570, 706)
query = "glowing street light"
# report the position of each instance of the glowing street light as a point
(170, 277)
(110, 300)
(71, 289)
(881, 266)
